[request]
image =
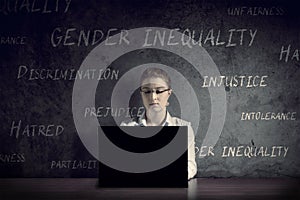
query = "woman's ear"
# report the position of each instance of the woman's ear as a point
(170, 92)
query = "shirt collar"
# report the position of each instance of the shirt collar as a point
(167, 122)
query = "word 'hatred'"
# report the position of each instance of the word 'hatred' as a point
(286, 54)
(35, 130)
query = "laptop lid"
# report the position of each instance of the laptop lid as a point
(133, 156)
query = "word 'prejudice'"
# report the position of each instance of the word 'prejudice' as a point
(67, 74)
(114, 112)
(31, 130)
(34, 6)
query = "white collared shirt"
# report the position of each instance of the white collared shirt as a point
(174, 121)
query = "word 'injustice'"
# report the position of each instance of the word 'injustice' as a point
(234, 81)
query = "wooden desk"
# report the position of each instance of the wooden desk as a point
(201, 188)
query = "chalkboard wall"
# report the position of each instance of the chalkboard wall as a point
(69, 65)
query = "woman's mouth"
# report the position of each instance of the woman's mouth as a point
(153, 104)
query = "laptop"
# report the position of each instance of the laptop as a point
(133, 156)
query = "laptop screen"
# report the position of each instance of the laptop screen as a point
(132, 156)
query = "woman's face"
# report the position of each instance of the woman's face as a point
(155, 94)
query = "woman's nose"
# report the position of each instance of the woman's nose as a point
(153, 95)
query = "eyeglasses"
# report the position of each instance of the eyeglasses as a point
(159, 91)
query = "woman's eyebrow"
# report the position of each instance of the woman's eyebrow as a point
(161, 87)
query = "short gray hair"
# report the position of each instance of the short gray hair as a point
(154, 72)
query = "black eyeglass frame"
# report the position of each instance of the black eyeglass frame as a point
(156, 91)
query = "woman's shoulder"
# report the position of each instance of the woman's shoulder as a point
(129, 122)
(180, 122)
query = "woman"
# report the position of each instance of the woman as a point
(155, 91)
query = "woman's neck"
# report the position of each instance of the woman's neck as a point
(155, 118)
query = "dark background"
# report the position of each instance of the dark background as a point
(48, 102)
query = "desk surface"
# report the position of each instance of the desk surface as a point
(200, 188)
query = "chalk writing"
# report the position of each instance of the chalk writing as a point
(251, 151)
(230, 38)
(115, 112)
(72, 36)
(205, 151)
(66, 74)
(73, 164)
(30, 130)
(12, 158)
(234, 37)
(266, 116)
(34, 6)
(12, 40)
(286, 53)
(255, 11)
(235, 81)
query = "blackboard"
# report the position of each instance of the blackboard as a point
(69, 65)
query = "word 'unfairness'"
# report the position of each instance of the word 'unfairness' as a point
(31, 130)
(255, 11)
(268, 116)
(34, 6)
(12, 158)
(73, 164)
(114, 112)
(234, 81)
(67, 74)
